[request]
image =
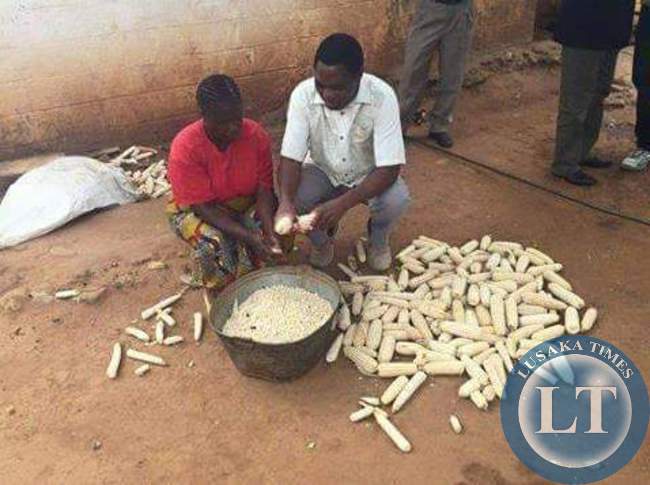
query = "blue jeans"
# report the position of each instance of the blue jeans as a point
(385, 209)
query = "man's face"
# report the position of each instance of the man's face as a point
(336, 85)
(223, 126)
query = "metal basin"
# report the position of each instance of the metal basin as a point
(270, 361)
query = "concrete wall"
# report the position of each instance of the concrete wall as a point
(86, 73)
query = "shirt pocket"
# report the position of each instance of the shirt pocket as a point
(362, 130)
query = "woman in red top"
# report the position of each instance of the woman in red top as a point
(220, 169)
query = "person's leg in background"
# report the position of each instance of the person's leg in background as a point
(640, 158)
(314, 189)
(594, 121)
(385, 210)
(580, 68)
(428, 26)
(454, 48)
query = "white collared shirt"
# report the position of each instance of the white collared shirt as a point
(346, 144)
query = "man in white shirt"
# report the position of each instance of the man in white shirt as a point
(343, 147)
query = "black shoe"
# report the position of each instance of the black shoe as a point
(579, 178)
(594, 162)
(442, 138)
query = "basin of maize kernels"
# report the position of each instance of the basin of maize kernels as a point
(277, 362)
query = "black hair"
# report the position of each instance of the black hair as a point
(216, 91)
(341, 50)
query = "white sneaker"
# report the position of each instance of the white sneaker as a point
(636, 161)
(322, 256)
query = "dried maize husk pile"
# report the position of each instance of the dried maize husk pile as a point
(467, 311)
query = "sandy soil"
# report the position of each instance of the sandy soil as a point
(62, 421)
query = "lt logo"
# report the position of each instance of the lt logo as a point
(595, 405)
(575, 410)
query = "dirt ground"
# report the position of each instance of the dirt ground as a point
(62, 421)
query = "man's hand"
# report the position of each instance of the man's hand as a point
(286, 209)
(329, 214)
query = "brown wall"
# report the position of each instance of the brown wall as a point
(86, 73)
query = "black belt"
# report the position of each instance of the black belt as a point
(449, 2)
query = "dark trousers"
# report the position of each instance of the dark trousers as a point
(643, 119)
(642, 79)
(587, 76)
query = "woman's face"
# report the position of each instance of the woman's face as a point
(223, 126)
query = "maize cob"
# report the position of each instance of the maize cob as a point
(525, 309)
(540, 270)
(406, 251)
(393, 390)
(458, 311)
(433, 253)
(198, 326)
(541, 319)
(347, 270)
(489, 393)
(345, 319)
(164, 316)
(536, 252)
(519, 278)
(468, 387)
(497, 314)
(161, 305)
(459, 286)
(469, 246)
(409, 389)
(386, 349)
(367, 351)
(395, 369)
(491, 368)
(525, 332)
(467, 331)
(486, 241)
(505, 266)
(361, 334)
(374, 335)
(348, 338)
(512, 317)
(403, 279)
(522, 263)
(479, 277)
(473, 349)
(543, 300)
(483, 316)
(334, 350)
(504, 354)
(137, 333)
(393, 433)
(455, 423)
(377, 312)
(474, 370)
(393, 286)
(142, 370)
(531, 287)
(471, 318)
(364, 362)
(390, 315)
(444, 368)
(160, 332)
(114, 363)
(549, 333)
(476, 267)
(572, 321)
(144, 357)
(479, 400)
(553, 277)
(588, 319)
(414, 266)
(357, 303)
(566, 295)
(173, 340)
(473, 295)
(361, 414)
(483, 356)
(423, 278)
